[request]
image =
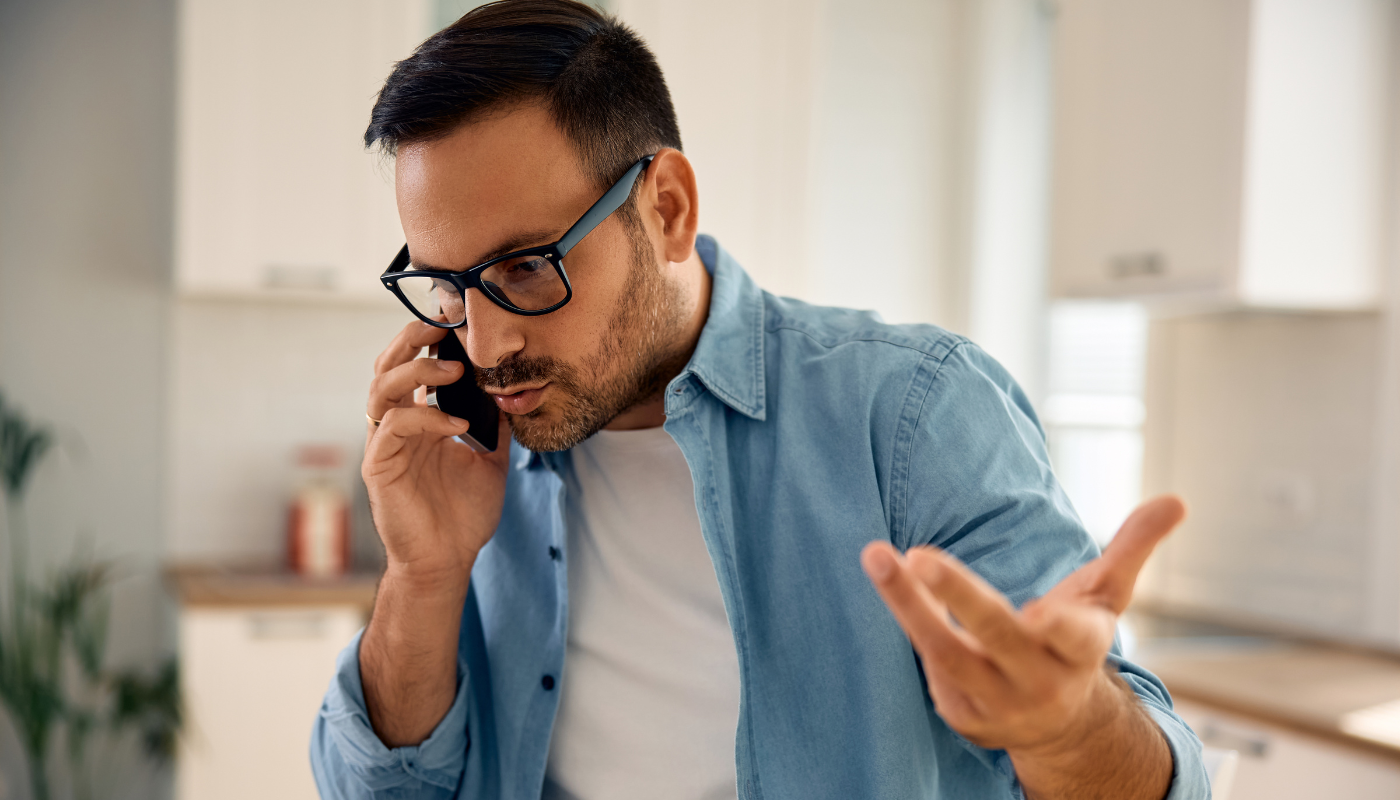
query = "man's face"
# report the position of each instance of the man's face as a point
(513, 180)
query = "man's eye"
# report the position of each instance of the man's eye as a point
(526, 266)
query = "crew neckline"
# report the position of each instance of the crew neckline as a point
(637, 439)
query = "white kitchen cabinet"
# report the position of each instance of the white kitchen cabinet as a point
(1215, 153)
(276, 195)
(257, 651)
(252, 682)
(1277, 764)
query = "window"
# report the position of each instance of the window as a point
(1093, 412)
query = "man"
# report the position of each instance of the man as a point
(657, 591)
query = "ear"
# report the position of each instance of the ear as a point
(670, 204)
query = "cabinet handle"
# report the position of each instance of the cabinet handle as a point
(1251, 744)
(287, 626)
(1146, 264)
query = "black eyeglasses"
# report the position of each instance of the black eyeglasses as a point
(529, 282)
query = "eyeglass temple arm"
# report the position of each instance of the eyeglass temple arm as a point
(602, 209)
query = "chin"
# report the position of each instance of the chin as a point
(545, 430)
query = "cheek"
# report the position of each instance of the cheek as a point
(567, 336)
(602, 267)
(587, 317)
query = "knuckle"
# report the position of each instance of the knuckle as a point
(999, 634)
(376, 385)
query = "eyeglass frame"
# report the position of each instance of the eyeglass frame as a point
(553, 253)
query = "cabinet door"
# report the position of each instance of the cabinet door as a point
(253, 680)
(1280, 765)
(1149, 134)
(276, 193)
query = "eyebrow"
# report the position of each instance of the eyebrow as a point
(515, 242)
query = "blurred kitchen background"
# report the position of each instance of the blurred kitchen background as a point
(1173, 220)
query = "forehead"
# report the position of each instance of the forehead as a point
(509, 174)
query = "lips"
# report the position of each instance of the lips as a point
(521, 402)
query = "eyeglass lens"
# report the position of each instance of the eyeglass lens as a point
(528, 282)
(433, 298)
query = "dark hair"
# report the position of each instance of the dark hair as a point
(599, 81)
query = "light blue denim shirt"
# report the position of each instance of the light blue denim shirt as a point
(809, 432)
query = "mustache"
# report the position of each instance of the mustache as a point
(521, 369)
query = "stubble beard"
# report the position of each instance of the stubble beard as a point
(640, 350)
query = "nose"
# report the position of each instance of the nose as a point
(492, 333)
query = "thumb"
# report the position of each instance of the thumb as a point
(1140, 534)
(1080, 634)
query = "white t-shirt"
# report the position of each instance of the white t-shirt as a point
(650, 689)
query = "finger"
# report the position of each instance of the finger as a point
(396, 387)
(1079, 634)
(982, 610)
(401, 424)
(957, 708)
(926, 623)
(407, 344)
(1125, 556)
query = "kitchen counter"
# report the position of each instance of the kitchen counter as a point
(1348, 695)
(263, 585)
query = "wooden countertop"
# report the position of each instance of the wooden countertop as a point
(261, 585)
(1347, 695)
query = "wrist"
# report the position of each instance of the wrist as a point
(408, 654)
(1112, 748)
(1107, 700)
(447, 578)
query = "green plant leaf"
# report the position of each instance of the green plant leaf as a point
(22, 447)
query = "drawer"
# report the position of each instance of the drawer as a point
(1278, 764)
(252, 680)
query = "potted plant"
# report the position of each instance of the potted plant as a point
(54, 683)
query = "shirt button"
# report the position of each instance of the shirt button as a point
(547, 682)
(554, 553)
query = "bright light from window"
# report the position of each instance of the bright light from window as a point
(1094, 410)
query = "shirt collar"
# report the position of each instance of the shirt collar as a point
(728, 359)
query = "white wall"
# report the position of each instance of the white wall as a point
(249, 382)
(86, 122)
(741, 77)
(881, 148)
(888, 154)
(1265, 423)
(1000, 253)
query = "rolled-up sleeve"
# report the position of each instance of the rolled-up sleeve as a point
(988, 495)
(351, 763)
(1189, 778)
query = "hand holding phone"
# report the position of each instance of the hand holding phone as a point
(435, 503)
(465, 400)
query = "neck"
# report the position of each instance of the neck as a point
(695, 286)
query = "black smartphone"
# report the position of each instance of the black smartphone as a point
(465, 400)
